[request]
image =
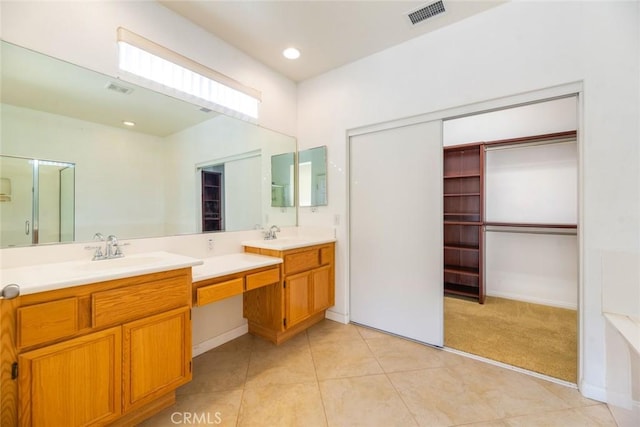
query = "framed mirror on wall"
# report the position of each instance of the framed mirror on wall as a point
(312, 177)
(134, 179)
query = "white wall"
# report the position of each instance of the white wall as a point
(107, 160)
(515, 48)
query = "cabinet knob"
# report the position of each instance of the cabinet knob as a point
(10, 291)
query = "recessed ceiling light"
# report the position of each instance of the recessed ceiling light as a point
(291, 53)
(128, 123)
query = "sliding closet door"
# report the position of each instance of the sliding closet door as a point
(396, 231)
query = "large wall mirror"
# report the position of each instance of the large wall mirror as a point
(312, 177)
(132, 181)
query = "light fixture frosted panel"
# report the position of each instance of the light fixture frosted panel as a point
(171, 75)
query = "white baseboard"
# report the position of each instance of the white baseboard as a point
(336, 317)
(593, 392)
(217, 341)
(533, 300)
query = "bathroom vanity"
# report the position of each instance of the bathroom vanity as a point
(277, 313)
(95, 343)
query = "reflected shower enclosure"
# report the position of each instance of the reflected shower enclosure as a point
(40, 204)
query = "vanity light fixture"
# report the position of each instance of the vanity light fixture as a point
(144, 58)
(291, 53)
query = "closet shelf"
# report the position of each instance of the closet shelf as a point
(460, 213)
(449, 222)
(459, 247)
(530, 225)
(466, 175)
(467, 271)
(459, 289)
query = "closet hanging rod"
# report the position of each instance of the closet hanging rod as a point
(553, 229)
(508, 146)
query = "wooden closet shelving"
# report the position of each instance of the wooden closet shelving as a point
(463, 212)
(211, 201)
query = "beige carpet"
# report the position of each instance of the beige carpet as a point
(535, 337)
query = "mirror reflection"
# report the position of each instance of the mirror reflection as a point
(312, 177)
(282, 180)
(37, 202)
(140, 181)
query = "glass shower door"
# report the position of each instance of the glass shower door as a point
(16, 205)
(37, 204)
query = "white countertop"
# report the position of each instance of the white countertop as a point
(47, 277)
(282, 244)
(222, 265)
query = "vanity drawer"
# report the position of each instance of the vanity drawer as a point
(301, 261)
(264, 278)
(47, 321)
(217, 291)
(135, 301)
(326, 255)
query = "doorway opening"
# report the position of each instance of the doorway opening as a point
(512, 295)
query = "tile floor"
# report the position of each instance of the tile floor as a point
(345, 375)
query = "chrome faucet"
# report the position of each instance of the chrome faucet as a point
(111, 249)
(271, 233)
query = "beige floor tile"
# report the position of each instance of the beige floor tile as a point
(569, 395)
(290, 405)
(398, 354)
(243, 344)
(203, 409)
(367, 333)
(364, 401)
(508, 392)
(214, 371)
(496, 423)
(290, 363)
(575, 417)
(437, 397)
(330, 331)
(599, 414)
(300, 340)
(344, 359)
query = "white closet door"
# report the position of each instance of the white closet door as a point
(396, 231)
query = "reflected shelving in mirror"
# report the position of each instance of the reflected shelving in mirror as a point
(137, 182)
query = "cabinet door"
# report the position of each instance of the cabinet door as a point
(157, 356)
(323, 293)
(298, 297)
(74, 383)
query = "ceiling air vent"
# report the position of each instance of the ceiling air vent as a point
(118, 88)
(426, 12)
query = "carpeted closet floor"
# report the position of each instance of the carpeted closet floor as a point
(535, 337)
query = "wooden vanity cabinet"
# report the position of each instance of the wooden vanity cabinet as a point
(277, 313)
(105, 353)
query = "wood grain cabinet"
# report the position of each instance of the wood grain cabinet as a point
(277, 313)
(105, 353)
